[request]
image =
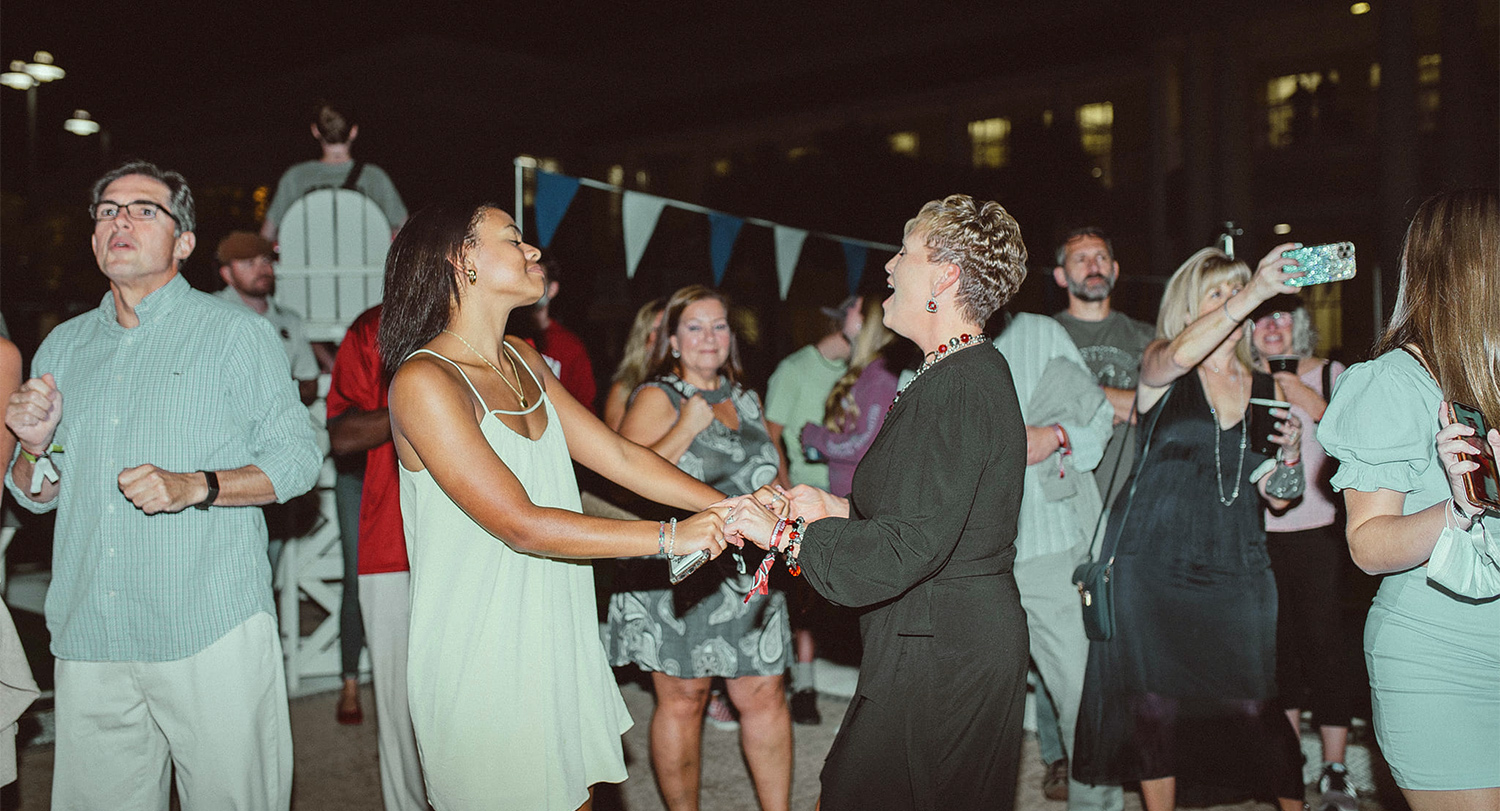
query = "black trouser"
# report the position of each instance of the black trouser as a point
(1312, 669)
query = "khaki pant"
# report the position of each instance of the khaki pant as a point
(220, 716)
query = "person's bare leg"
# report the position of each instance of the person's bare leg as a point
(676, 739)
(805, 643)
(349, 697)
(1479, 799)
(1335, 741)
(1159, 794)
(766, 736)
(588, 805)
(1288, 804)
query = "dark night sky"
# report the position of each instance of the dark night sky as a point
(221, 91)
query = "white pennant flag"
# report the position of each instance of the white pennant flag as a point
(788, 249)
(639, 213)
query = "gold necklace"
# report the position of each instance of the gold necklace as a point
(520, 394)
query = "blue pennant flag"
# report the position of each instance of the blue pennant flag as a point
(723, 230)
(854, 260)
(554, 193)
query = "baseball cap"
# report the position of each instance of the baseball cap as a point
(245, 245)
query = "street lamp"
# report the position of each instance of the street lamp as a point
(81, 123)
(28, 76)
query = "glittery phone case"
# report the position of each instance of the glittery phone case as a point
(1333, 262)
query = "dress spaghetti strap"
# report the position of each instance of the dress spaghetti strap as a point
(480, 397)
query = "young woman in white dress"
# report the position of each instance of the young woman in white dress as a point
(511, 699)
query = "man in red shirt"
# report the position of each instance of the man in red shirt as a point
(359, 421)
(560, 344)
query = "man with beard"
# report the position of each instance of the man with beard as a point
(1111, 342)
(247, 264)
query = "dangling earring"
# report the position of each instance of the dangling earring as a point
(931, 305)
(676, 354)
(473, 277)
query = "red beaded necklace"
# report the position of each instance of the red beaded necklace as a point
(944, 350)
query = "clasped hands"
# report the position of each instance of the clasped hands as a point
(754, 517)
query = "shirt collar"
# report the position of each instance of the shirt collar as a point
(156, 304)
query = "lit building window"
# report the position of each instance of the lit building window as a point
(1359, 8)
(1374, 75)
(1096, 124)
(722, 167)
(549, 165)
(904, 143)
(1046, 118)
(990, 140)
(643, 178)
(1428, 98)
(616, 175)
(1287, 97)
(799, 152)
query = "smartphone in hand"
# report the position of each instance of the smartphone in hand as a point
(1482, 485)
(1320, 264)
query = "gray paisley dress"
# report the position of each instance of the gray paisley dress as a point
(703, 626)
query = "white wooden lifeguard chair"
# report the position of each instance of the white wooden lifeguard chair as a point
(333, 244)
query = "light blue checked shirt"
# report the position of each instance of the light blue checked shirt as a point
(200, 384)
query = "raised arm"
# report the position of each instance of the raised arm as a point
(1166, 360)
(435, 426)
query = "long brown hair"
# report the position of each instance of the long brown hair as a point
(872, 338)
(1449, 304)
(662, 362)
(421, 276)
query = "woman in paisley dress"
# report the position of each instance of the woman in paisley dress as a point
(694, 412)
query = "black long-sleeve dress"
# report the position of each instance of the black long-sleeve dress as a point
(926, 557)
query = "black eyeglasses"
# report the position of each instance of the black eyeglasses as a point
(138, 210)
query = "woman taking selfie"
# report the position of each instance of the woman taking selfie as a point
(1432, 637)
(511, 699)
(1186, 686)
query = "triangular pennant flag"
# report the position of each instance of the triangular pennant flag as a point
(554, 193)
(854, 260)
(788, 249)
(723, 230)
(639, 213)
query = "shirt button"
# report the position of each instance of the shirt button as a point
(110, 508)
(112, 593)
(115, 421)
(111, 551)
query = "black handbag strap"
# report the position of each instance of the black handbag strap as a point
(1135, 478)
(353, 179)
(1327, 379)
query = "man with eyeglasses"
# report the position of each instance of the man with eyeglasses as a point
(151, 424)
(247, 264)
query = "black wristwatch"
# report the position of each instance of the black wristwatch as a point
(213, 489)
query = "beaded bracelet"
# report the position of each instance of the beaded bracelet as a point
(661, 537)
(672, 541)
